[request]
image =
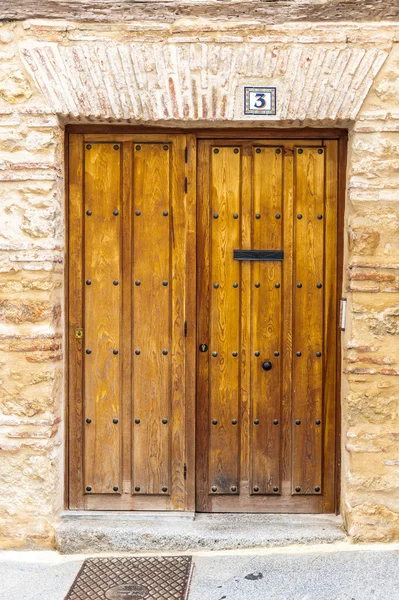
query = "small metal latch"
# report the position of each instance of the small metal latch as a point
(343, 314)
(79, 333)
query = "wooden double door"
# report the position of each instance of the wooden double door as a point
(202, 323)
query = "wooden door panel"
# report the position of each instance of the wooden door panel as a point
(284, 444)
(128, 392)
(266, 290)
(151, 318)
(330, 337)
(224, 290)
(308, 301)
(102, 319)
(132, 290)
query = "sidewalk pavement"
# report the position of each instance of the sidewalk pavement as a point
(340, 571)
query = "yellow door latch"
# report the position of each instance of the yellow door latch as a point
(79, 333)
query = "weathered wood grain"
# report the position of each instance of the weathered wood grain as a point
(308, 302)
(102, 318)
(225, 202)
(266, 321)
(152, 237)
(286, 354)
(229, 387)
(182, 290)
(75, 319)
(113, 246)
(125, 214)
(275, 454)
(203, 415)
(331, 325)
(190, 291)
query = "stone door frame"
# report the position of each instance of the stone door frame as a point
(194, 134)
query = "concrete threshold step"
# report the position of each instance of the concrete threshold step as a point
(159, 532)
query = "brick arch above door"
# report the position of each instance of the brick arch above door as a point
(169, 79)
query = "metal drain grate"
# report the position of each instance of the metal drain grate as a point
(135, 578)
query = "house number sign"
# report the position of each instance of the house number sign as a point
(259, 100)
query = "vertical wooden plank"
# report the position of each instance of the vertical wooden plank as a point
(152, 322)
(67, 406)
(102, 274)
(125, 215)
(330, 323)
(191, 321)
(287, 310)
(225, 320)
(244, 423)
(178, 283)
(308, 293)
(266, 292)
(75, 319)
(203, 424)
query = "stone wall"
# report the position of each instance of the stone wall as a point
(371, 365)
(31, 297)
(305, 59)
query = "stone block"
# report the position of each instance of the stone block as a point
(386, 322)
(364, 241)
(28, 311)
(373, 523)
(371, 407)
(15, 88)
(19, 530)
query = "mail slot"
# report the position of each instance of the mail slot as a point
(258, 255)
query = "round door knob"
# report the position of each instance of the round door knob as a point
(267, 365)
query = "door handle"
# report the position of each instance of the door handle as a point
(267, 365)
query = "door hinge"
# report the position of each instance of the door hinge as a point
(185, 185)
(79, 333)
(185, 328)
(186, 155)
(185, 471)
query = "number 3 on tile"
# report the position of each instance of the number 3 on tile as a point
(259, 100)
